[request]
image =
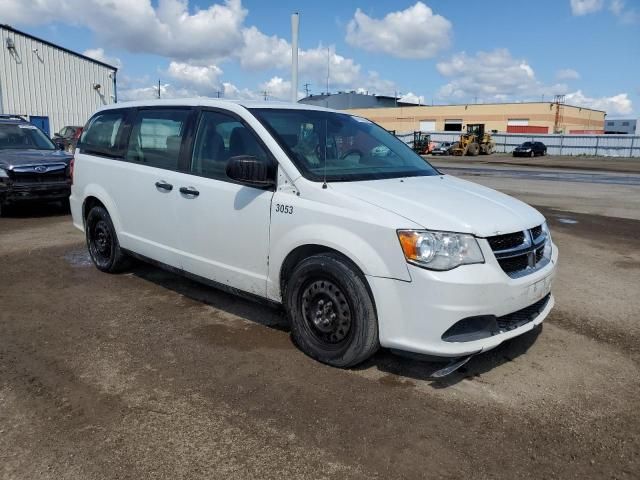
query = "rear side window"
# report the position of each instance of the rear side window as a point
(101, 135)
(156, 137)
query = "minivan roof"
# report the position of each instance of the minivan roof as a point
(215, 102)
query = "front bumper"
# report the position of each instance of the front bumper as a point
(17, 192)
(414, 316)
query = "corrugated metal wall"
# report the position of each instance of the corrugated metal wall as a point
(50, 82)
(604, 145)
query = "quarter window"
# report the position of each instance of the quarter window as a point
(156, 137)
(220, 137)
(101, 136)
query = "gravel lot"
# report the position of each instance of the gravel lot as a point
(148, 375)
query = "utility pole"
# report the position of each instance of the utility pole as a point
(295, 23)
(265, 94)
(328, 68)
(158, 89)
(307, 89)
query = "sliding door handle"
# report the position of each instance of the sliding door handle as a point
(189, 191)
(162, 185)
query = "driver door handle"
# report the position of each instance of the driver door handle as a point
(189, 191)
(162, 185)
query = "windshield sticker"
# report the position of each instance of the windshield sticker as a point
(30, 127)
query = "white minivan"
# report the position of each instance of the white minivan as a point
(361, 241)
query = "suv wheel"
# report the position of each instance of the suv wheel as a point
(333, 318)
(102, 242)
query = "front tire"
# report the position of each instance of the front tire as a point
(333, 318)
(102, 242)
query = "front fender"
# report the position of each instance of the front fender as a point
(376, 254)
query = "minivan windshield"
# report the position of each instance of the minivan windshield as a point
(340, 147)
(17, 136)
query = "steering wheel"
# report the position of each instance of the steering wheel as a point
(351, 152)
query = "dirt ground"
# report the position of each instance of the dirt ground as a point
(149, 375)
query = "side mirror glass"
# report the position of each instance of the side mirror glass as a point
(57, 135)
(249, 170)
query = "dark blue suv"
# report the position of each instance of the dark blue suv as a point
(31, 166)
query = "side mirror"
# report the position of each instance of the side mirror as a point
(57, 135)
(249, 170)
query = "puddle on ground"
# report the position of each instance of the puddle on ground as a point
(569, 221)
(78, 258)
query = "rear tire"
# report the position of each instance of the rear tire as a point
(4, 209)
(102, 242)
(333, 318)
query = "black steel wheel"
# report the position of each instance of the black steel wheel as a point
(332, 314)
(102, 242)
(326, 312)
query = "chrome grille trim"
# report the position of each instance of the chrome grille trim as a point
(524, 258)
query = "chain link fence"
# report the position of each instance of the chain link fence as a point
(557, 144)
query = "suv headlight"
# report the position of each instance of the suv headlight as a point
(3, 173)
(439, 250)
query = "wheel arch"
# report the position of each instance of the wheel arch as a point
(96, 195)
(301, 252)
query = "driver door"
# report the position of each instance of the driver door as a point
(224, 226)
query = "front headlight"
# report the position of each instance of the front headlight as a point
(439, 250)
(3, 173)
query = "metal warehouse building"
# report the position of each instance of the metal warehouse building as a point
(534, 117)
(51, 85)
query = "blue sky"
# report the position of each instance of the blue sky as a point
(438, 51)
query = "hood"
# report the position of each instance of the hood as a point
(446, 203)
(14, 158)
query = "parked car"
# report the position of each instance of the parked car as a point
(31, 166)
(67, 138)
(444, 148)
(295, 206)
(530, 149)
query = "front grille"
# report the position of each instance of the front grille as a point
(505, 242)
(536, 231)
(29, 174)
(520, 253)
(521, 317)
(39, 178)
(514, 264)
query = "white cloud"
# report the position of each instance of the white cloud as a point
(412, 98)
(626, 15)
(261, 51)
(584, 7)
(195, 41)
(567, 74)
(98, 54)
(492, 76)
(411, 33)
(276, 88)
(203, 79)
(617, 105)
(169, 30)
